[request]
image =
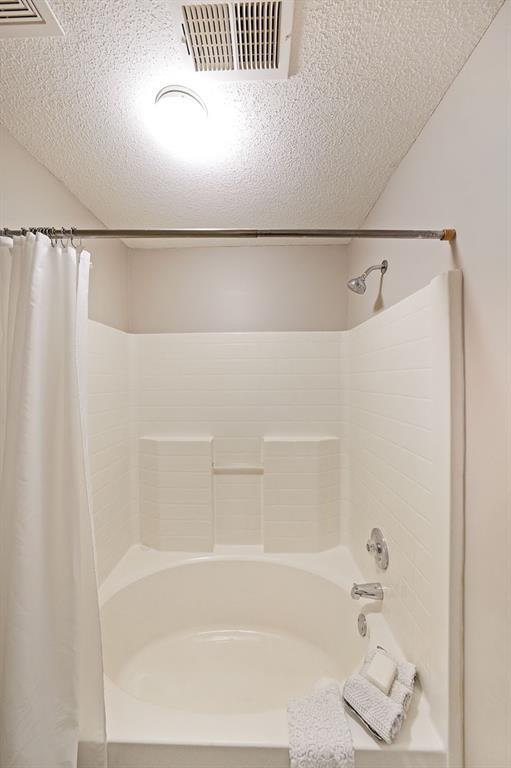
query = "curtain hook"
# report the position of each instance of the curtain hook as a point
(63, 236)
(78, 247)
(53, 237)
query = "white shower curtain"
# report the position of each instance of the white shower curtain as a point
(51, 677)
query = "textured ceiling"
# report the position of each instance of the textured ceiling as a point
(315, 150)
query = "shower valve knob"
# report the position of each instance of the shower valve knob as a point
(377, 546)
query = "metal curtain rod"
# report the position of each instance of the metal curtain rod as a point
(400, 234)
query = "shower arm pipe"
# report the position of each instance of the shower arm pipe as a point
(63, 233)
(381, 267)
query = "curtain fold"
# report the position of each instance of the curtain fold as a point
(51, 677)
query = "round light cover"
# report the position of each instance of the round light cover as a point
(179, 104)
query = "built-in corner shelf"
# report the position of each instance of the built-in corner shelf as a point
(198, 491)
(237, 469)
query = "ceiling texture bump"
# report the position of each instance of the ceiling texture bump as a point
(315, 150)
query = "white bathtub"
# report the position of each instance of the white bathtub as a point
(202, 654)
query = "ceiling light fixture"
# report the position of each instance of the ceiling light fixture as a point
(180, 118)
(180, 106)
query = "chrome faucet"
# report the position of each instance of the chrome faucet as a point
(371, 591)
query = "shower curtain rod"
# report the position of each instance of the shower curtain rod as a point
(63, 233)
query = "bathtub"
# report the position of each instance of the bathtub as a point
(202, 653)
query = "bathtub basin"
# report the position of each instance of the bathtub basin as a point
(202, 654)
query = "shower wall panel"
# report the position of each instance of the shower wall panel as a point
(176, 499)
(239, 388)
(111, 449)
(406, 401)
(238, 494)
(301, 494)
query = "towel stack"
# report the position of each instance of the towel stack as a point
(380, 694)
(319, 734)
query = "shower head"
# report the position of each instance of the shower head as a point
(358, 284)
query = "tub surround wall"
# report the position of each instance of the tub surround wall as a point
(178, 391)
(111, 447)
(406, 401)
(176, 499)
(240, 385)
(238, 493)
(301, 494)
(239, 388)
(288, 501)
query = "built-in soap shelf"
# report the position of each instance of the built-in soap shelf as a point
(282, 492)
(237, 469)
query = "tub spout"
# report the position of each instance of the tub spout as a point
(372, 591)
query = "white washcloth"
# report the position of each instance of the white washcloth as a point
(383, 715)
(402, 688)
(319, 734)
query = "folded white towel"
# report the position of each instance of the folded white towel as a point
(319, 734)
(383, 715)
(406, 673)
(401, 694)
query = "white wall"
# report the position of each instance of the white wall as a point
(301, 496)
(238, 498)
(194, 398)
(176, 493)
(228, 288)
(405, 439)
(238, 388)
(457, 175)
(263, 288)
(31, 196)
(111, 445)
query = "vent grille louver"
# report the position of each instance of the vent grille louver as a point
(208, 34)
(19, 12)
(233, 36)
(257, 33)
(28, 18)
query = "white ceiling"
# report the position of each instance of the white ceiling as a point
(315, 150)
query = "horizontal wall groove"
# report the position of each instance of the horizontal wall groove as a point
(412, 509)
(397, 445)
(398, 471)
(390, 370)
(98, 451)
(391, 418)
(386, 347)
(382, 393)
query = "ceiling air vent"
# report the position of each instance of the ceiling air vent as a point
(27, 18)
(238, 40)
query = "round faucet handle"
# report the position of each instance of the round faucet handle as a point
(374, 547)
(377, 547)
